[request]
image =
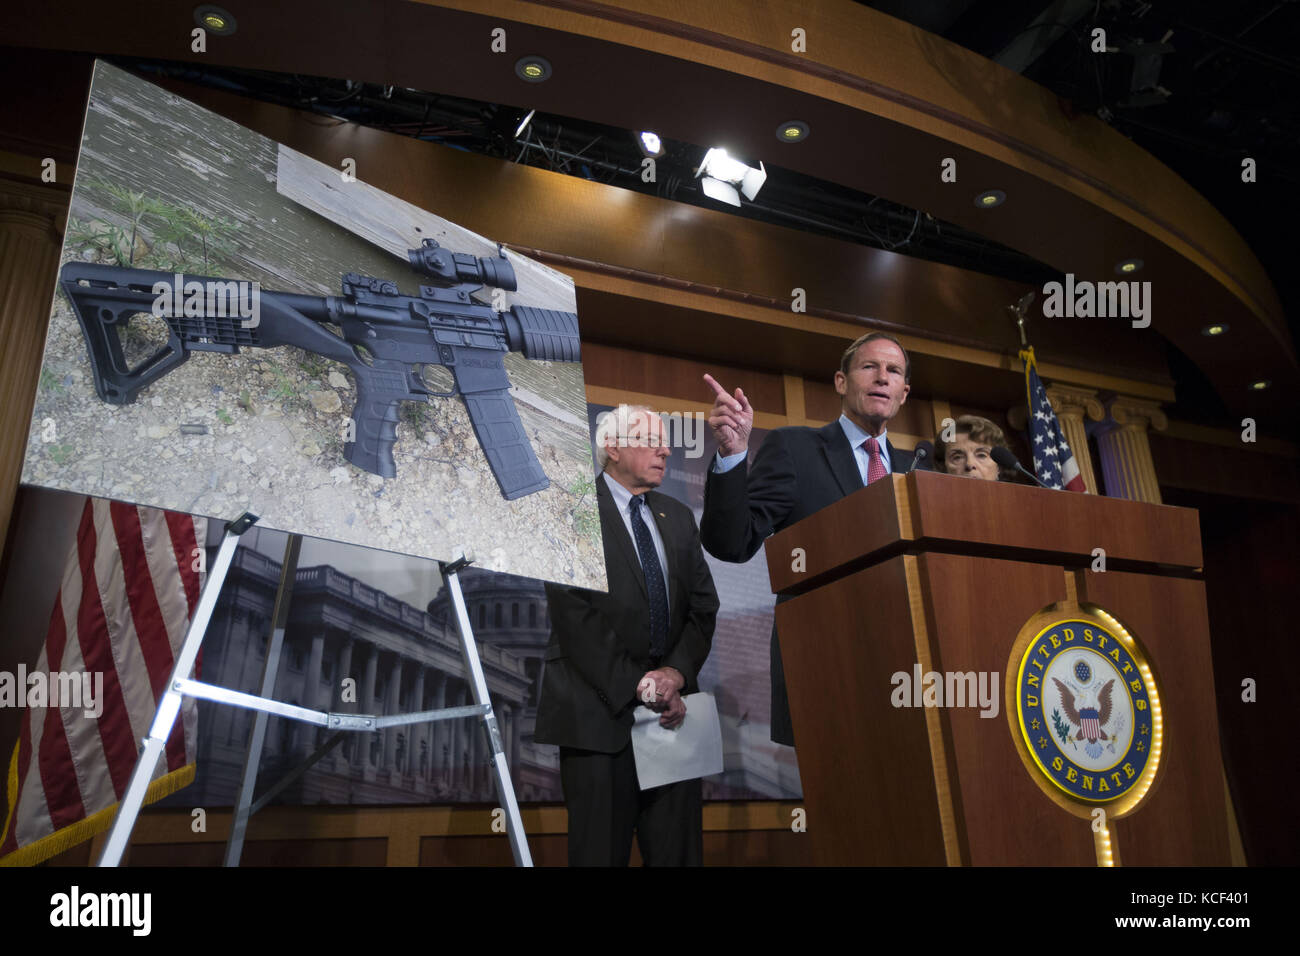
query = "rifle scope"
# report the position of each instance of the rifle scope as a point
(445, 267)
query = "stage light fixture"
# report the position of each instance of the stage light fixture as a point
(523, 124)
(533, 69)
(215, 20)
(1128, 266)
(726, 178)
(792, 131)
(1262, 384)
(649, 143)
(1218, 328)
(990, 198)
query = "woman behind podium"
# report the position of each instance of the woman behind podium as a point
(970, 453)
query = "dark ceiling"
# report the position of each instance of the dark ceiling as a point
(1199, 84)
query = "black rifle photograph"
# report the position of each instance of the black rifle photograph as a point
(386, 340)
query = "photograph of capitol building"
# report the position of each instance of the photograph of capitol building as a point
(370, 627)
(402, 660)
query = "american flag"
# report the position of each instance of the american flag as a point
(1054, 463)
(129, 586)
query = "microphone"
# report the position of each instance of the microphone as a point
(1006, 459)
(924, 453)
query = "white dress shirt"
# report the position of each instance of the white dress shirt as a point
(856, 437)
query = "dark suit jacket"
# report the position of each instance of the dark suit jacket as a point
(600, 642)
(796, 472)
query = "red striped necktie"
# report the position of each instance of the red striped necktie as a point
(876, 465)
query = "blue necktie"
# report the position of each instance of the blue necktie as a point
(654, 581)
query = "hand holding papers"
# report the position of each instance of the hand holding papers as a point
(693, 750)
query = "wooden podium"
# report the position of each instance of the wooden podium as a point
(945, 572)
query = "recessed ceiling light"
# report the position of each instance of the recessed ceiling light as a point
(533, 69)
(1218, 328)
(990, 198)
(215, 20)
(1259, 386)
(792, 131)
(1128, 266)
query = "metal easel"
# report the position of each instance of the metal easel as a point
(180, 685)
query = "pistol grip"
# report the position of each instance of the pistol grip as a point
(375, 421)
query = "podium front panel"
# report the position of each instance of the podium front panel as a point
(869, 791)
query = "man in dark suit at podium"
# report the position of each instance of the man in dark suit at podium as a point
(643, 642)
(798, 470)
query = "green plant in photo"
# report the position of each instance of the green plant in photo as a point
(171, 250)
(160, 234)
(586, 518)
(224, 417)
(99, 237)
(215, 236)
(413, 413)
(313, 366)
(136, 206)
(50, 382)
(283, 388)
(61, 453)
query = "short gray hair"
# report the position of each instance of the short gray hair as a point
(613, 425)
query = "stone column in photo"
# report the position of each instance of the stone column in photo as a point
(1071, 404)
(416, 732)
(367, 699)
(516, 722)
(1125, 451)
(456, 755)
(392, 706)
(437, 728)
(343, 670)
(311, 690)
(478, 755)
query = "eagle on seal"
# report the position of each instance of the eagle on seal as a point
(1089, 718)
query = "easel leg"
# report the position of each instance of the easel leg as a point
(257, 738)
(474, 671)
(170, 705)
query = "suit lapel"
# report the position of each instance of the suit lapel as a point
(612, 526)
(896, 463)
(839, 455)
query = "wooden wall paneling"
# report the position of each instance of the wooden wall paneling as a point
(659, 374)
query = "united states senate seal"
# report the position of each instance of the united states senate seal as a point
(1086, 713)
